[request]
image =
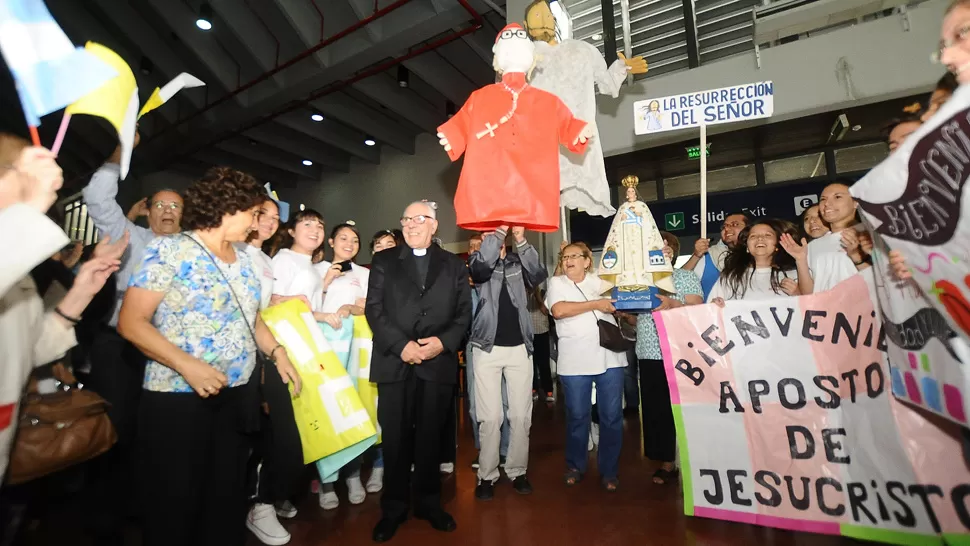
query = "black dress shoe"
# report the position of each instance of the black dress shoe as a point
(385, 529)
(439, 520)
(522, 485)
(485, 490)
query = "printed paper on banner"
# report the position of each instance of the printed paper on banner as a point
(726, 105)
(785, 419)
(328, 411)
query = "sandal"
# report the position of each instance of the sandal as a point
(572, 477)
(611, 484)
(663, 476)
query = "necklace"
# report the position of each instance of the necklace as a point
(515, 101)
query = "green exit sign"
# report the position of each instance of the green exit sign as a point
(694, 152)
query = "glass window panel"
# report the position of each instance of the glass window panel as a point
(795, 168)
(860, 158)
(730, 178)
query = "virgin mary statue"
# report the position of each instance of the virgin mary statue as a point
(633, 260)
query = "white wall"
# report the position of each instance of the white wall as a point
(882, 59)
(375, 196)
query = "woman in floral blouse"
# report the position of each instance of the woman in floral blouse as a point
(192, 307)
(659, 435)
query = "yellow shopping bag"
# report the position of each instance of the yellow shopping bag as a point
(361, 349)
(329, 412)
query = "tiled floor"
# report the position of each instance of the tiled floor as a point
(640, 513)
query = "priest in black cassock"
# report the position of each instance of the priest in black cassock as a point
(419, 308)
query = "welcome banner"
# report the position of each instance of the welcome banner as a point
(914, 202)
(785, 419)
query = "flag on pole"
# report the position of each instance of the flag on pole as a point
(161, 95)
(282, 205)
(115, 101)
(50, 72)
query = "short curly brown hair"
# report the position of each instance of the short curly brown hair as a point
(221, 191)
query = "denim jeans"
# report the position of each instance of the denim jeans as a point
(577, 393)
(503, 448)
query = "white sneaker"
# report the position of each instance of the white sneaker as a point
(355, 491)
(263, 523)
(589, 444)
(328, 500)
(376, 481)
(286, 510)
(447, 468)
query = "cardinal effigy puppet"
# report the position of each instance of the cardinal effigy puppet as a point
(510, 133)
(633, 260)
(573, 70)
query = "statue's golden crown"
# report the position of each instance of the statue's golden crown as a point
(631, 180)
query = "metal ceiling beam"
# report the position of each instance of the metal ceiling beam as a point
(201, 132)
(271, 156)
(690, 24)
(385, 90)
(148, 41)
(261, 171)
(450, 82)
(251, 32)
(279, 136)
(463, 57)
(180, 17)
(333, 133)
(341, 107)
(303, 16)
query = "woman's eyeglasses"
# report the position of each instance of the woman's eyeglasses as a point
(573, 257)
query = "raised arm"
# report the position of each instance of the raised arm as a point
(100, 196)
(482, 262)
(535, 273)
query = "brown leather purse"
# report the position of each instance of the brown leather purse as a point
(59, 430)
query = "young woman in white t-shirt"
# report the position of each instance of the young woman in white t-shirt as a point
(836, 256)
(295, 275)
(268, 223)
(344, 282)
(757, 267)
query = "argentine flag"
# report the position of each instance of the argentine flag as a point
(49, 71)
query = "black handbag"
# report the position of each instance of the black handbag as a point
(611, 338)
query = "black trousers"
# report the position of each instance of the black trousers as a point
(657, 418)
(117, 372)
(449, 444)
(193, 453)
(540, 355)
(413, 415)
(276, 464)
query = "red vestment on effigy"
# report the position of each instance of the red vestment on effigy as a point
(511, 171)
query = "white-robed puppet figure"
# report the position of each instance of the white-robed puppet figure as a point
(633, 260)
(573, 70)
(510, 133)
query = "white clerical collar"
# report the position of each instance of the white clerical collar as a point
(419, 251)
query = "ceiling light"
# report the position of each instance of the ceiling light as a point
(204, 22)
(302, 206)
(403, 77)
(316, 117)
(370, 142)
(307, 162)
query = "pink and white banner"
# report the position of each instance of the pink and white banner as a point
(785, 418)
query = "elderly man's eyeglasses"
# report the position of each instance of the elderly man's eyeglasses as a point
(171, 205)
(418, 219)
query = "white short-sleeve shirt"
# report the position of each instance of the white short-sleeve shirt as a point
(758, 287)
(580, 352)
(294, 275)
(345, 289)
(828, 261)
(263, 266)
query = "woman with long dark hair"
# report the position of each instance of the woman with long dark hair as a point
(757, 267)
(293, 267)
